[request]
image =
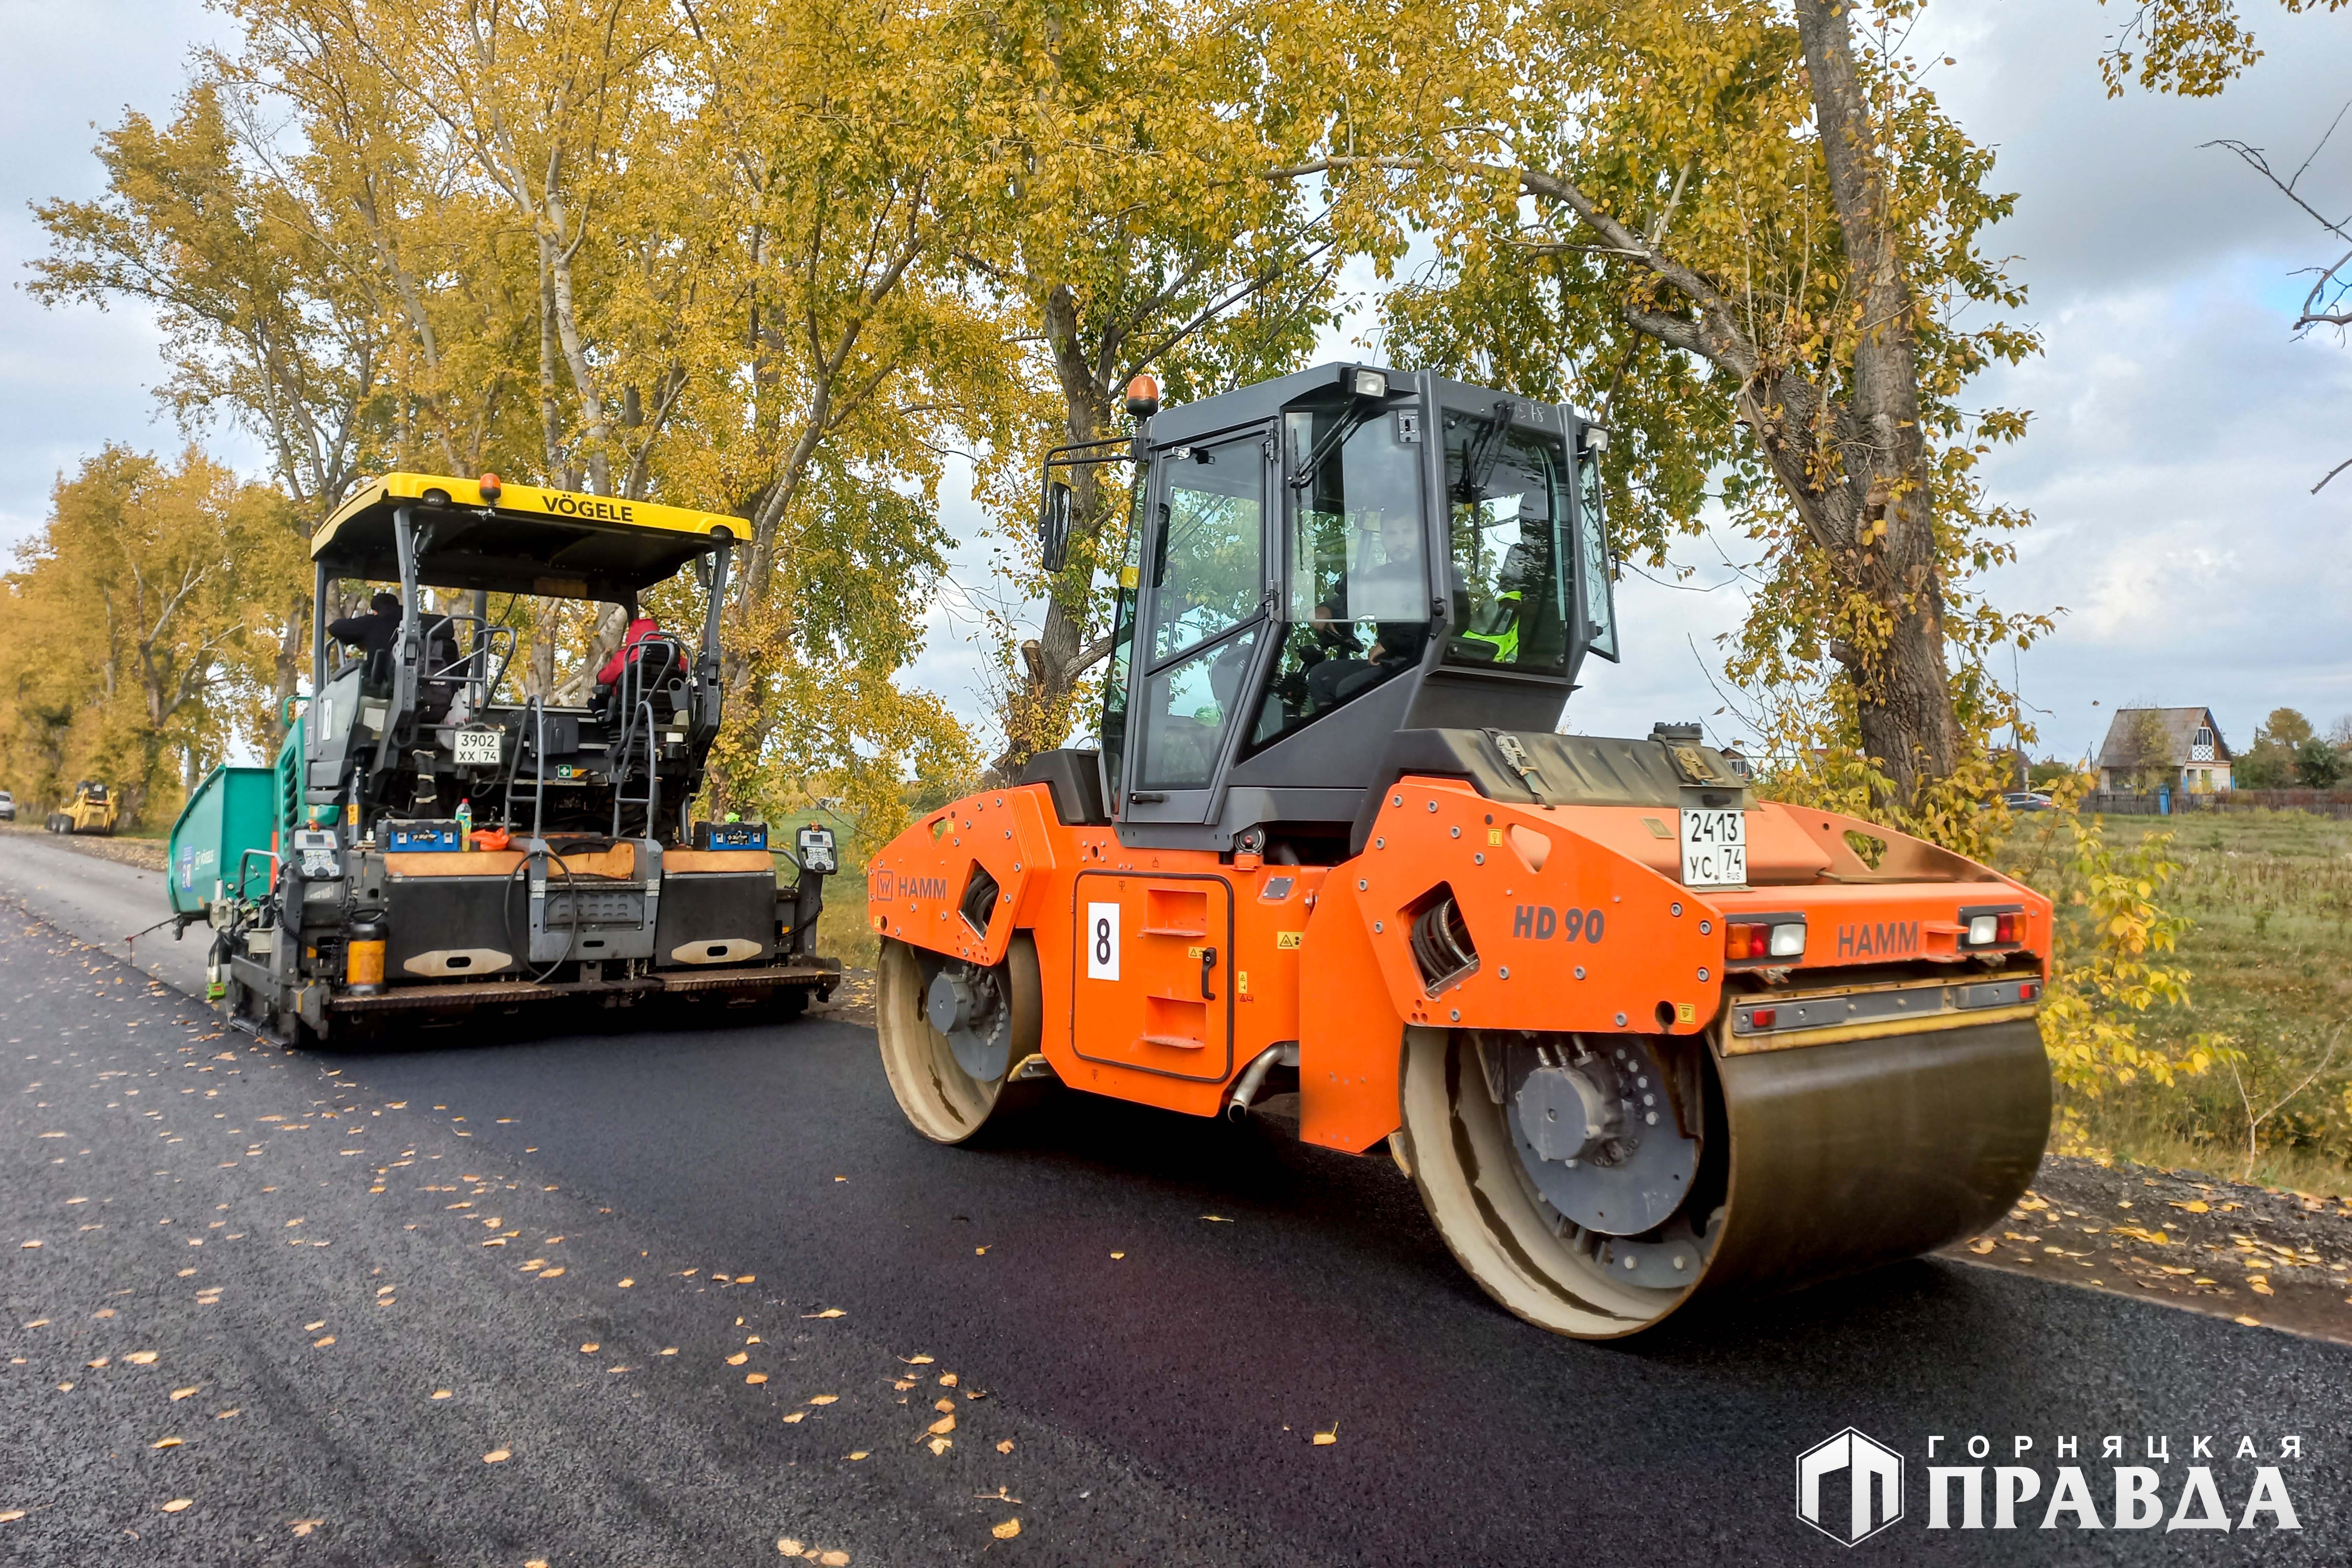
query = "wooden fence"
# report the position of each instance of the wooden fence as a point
(2336, 803)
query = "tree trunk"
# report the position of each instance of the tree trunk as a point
(1903, 687)
(1038, 714)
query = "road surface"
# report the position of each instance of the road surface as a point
(673, 1297)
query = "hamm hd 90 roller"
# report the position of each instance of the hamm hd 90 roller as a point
(435, 846)
(1635, 1033)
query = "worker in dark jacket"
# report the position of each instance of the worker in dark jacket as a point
(378, 632)
(374, 632)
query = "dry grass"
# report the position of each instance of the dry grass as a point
(2269, 957)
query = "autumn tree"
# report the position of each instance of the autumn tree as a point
(127, 616)
(2141, 749)
(1136, 233)
(1749, 243)
(265, 323)
(2192, 48)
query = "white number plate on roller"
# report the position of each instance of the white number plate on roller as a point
(476, 748)
(1715, 849)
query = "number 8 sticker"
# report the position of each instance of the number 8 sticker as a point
(1102, 941)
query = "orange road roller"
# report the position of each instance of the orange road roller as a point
(1636, 1034)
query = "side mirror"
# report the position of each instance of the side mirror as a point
(1054, 525)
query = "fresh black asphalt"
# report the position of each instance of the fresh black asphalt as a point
(1157, 1373)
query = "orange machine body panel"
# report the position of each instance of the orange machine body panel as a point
(1165, 972)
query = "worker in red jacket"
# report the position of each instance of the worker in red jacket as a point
(643, 629)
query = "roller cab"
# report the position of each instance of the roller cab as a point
(1635, 1033)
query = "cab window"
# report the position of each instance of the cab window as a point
(1209, 564)
(1508, 505)
(1358, 606)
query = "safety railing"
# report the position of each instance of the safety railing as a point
(645, 668)
(624, 767)
(534, 717)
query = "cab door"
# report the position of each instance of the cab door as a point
(1151, 973)
(1200, 630)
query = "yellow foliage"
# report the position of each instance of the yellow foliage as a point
(2109, 963)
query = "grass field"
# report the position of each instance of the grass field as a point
(2269, 953)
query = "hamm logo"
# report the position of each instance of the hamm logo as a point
(881, 887)
(1887, 939)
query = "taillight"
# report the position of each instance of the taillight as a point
(1994, 929)
(1748, 939)
(1763, 1017)
(2028, 991)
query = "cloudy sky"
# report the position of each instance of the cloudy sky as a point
(2177, 428)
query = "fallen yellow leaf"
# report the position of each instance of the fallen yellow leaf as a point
(322, 1342)
(12, 1515)
(591, 1348)
(1005, 1531)
(834, 1560)
(943, 1425)
(941, 1444)
(947, 1380)
(2251, 1322)
(305, 1526)
(314, 1328)
(1324, 1440)
(747, 1280)
(859, 1454)
(738, 1358)
(180, 1393)
(1218, 1218)
(1981, 1248)
(498, 1457)
(2194, 1205)
(755, 1377)
(822, 1398)
(916, 1359)
(2260, 1288)
(552, 1274)
(788, 1546)
(627, 1283)
(177, 1503)
(980, 1252)
(167, 1442)
(1006, 1446)
(440, 1393)
(796, 1417)
(227, 1414)
(670, 1351)
(828, 1312)
(1115, 1256)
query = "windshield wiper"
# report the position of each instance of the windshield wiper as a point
(1485, 450)
(1347, 425)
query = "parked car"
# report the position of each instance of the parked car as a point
(2028, 800)
(7, 806)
